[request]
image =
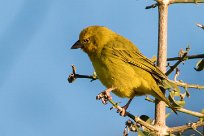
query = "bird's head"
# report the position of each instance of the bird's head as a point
(92, 39)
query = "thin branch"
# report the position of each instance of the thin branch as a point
(186, 85)
(186, 1)
(193, 125)
(197, 56)
(196, 114)
(105, 98)
(177, 63)
(152, 6)
(135, 118)
(73, 76)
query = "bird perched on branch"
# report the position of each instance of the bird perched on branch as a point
(120, 66)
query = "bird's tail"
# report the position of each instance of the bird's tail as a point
(159, 95)
(166, 84)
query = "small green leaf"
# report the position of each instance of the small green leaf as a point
(175, 103)
(200, 65)
(181, 103)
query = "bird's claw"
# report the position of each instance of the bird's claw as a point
(122, 111)
(104, 97)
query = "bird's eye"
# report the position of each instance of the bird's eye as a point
(86, 40)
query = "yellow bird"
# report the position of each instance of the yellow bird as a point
(120, 66)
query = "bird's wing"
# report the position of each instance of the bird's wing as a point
(132, 55)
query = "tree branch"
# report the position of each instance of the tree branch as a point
(193, 125)
(196, 114)
(197, 56)
(160, 110)
(186, 85)
(177, 63)
(135, 118)
(186, 1)
(73, 76)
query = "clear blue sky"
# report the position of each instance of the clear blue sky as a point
(35, 56)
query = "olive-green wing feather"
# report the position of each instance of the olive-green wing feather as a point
(130, 54)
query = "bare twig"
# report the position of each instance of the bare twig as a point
(186, 85)
(197, 56)
(182, 58)
(196, 114)
(193, 125)
(152, 6)
(73, 76)
(186, 1)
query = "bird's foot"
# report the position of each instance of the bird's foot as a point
(105, 95)
(122, 110)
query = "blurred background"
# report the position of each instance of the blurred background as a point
(35, 61)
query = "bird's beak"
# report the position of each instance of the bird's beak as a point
(77, 45)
